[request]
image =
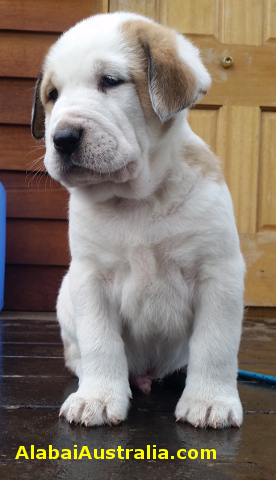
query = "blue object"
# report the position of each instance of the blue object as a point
(257, 376)
(2, 242)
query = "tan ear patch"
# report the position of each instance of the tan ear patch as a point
(171, 85)
(38, 115)
(41, 104)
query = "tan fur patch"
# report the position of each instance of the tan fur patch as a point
(43, 87)
(199, 156)
(156, 61)
(47, 84)
(38, 115)
(139, 66)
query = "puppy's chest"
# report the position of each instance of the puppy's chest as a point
(147, 267)
(151, 289)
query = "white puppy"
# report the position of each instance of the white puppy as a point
(156, 278)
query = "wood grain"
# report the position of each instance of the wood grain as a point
(204, 122)
(250, 80)
(33, 197)
(22, 54)
(37, 242)
(19, 150)
(239, 153)
(32, 288)
(16, 100)
(267, 173)
(50, 16)
(269, 30)
(260, 256)
(200, 17)
(150, 8)
(241, 22)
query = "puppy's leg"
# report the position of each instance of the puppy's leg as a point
(103, 393)
(210, 397)
(65, 315)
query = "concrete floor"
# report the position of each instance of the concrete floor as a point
(34, 383)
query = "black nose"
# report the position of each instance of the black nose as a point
(67, 140)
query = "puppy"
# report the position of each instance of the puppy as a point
(156, 278)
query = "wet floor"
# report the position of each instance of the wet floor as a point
(34, 383)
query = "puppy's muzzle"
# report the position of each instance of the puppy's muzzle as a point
(67, 140)
(97, 152)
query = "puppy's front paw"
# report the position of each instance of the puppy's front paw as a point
(219, 412)
(108, 407)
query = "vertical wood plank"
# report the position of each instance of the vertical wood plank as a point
(243, 22)
(260, 256)
(267, 172)
(102, 6)
(239, 147)
(143, 7)
(196, 17)
(269, 20)
(205, 123)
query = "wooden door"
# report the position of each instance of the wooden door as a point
(237, 117)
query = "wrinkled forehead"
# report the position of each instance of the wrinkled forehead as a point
(95, 44)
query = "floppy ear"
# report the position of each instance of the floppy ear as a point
(38, 115)
(171, 84)
(176, 75)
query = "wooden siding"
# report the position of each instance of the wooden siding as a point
(37, 253)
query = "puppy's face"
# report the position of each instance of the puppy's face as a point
(108, 92)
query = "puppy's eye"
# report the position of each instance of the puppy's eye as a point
(110, 81)
(53, 95)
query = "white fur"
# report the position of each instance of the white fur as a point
(156, 278)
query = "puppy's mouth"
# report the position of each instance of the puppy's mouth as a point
(74, 173)
(101, 174)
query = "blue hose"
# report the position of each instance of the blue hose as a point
(257, 376)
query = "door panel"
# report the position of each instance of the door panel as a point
(205, 124)
(239, 152)
(267, 173)
(237, 117)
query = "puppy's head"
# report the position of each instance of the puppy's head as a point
(108, 95)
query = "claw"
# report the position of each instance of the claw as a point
(115, 421)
